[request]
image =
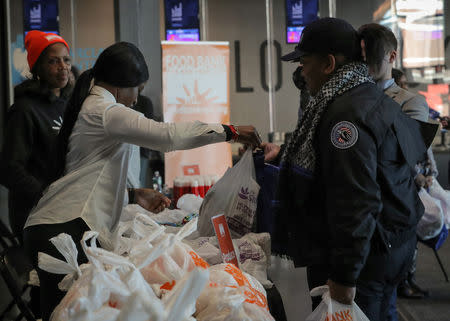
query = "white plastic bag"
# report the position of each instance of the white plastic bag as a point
(235, 195)
(106, 282)
(140, 228)
(430, 225)
(179, 304)
(178, 260)
(181, 301)
(65, 245)
(190, 203)
(111, 288)
(330, 310)
(162, 258)
(232, 295)
(441, 194)
(170, 266)
(208, 251)
(252, 251)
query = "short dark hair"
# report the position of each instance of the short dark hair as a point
(397, 74)
(379, 40)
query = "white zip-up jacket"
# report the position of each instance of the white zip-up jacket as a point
(94, 185)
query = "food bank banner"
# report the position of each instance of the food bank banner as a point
(196, 87)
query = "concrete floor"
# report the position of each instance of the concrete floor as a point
(292, 286)
(429, 276)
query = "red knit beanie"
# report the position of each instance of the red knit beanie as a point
(35, 43)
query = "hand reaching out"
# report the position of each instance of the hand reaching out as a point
(151, 200)
(248, 135)
(271, 151)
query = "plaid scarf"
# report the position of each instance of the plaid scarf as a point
(300, 149)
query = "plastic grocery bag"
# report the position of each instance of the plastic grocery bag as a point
(178, 260)
(205, 248)
(252, 251)
(139, 237)
(106, 282)
(181, 301)
(235, 195)
(111, 288)
(232, 295)
(331, 310)
(65, 245)
(179, 304)
(139, 229)
(190, 203)
(430, 225)
(441, 194)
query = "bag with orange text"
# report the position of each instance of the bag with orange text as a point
(331, 310)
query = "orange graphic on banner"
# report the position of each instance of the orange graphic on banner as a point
(196, 99)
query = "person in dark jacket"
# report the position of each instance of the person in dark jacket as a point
(347, 203)
(150, 160)
(379, 46)
(33, 123)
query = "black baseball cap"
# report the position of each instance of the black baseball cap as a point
(327, 36)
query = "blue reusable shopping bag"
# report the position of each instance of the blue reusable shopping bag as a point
(266, 176)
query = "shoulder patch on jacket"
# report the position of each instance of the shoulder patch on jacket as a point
(344, 135)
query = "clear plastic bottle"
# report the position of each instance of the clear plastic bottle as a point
(195, 187)
(157, 182)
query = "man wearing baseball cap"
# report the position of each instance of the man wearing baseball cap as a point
(348, 205)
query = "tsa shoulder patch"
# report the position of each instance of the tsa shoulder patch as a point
(344, 135)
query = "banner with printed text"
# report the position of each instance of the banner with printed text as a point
(196, 87)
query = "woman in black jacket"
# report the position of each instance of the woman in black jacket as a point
(33, 123)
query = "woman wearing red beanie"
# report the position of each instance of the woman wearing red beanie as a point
(33, 123)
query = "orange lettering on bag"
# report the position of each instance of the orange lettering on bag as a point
(340, 316)
(198, 261)
(112, 304)
(348, 315)
(168, 285)
(237, 274)
(253, 296)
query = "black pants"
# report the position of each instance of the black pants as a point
(18, 211)
(36, 239)
(377, 281)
